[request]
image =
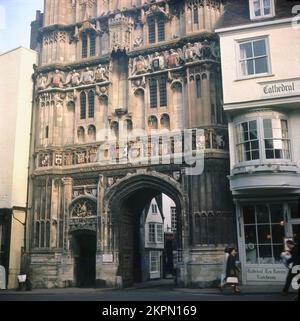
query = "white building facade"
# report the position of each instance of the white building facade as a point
(154, 241)
(261, 86)
(16, 68)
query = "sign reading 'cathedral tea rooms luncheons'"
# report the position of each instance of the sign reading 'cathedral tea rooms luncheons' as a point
(266, 274)
(280, 88)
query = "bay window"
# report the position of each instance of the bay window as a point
(262, 139)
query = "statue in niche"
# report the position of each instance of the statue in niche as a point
(81, 210)
(57, 79)
(189, 52)
(138, 42)
(173, 59)
(42, 82)
(46, 160)
(73, 79)
(101, 74)
(87, 76)
(158, 62)
(140, 65)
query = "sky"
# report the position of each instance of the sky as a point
(15, 19)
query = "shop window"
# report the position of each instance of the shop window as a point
(295, 209)
(264, 233)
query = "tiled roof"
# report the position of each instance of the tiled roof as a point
(237, 12)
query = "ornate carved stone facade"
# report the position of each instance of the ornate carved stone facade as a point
(111, 73)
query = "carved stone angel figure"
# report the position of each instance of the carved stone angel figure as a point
(87, 76)
(101, 73)
(189, 52)
(73, 79)
(57, 79)
(173, 59)
(42, 82)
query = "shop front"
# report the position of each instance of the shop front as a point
(264, 225)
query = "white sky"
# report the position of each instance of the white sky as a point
(15, 19)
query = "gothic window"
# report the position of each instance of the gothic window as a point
(163, 91)
(91, 97)
(158, 96)
(37, 234)
(156, 28)
(84, 38)
(88, 40)
(82, 105)
(161, 28)
(153, 93)
(151, 26)
(198, 87)
(196, 18)
(48, 229)
(92, 44)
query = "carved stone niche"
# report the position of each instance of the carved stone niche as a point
(120, 28)
(83, 208)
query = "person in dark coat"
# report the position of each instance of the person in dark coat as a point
(231, 267)
(291, 262)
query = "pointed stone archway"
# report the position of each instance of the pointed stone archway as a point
(124, 203)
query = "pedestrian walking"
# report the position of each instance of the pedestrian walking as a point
(290, 263)
(232, 271)
(223, 275)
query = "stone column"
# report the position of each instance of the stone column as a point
(67, 199)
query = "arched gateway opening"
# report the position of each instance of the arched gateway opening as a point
(129, 202)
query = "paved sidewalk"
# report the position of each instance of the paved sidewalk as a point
(163, 284)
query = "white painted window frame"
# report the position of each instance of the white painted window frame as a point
(262, 16)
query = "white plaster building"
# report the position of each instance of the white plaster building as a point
(260, 55)
(16, 85)
(154, 240)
